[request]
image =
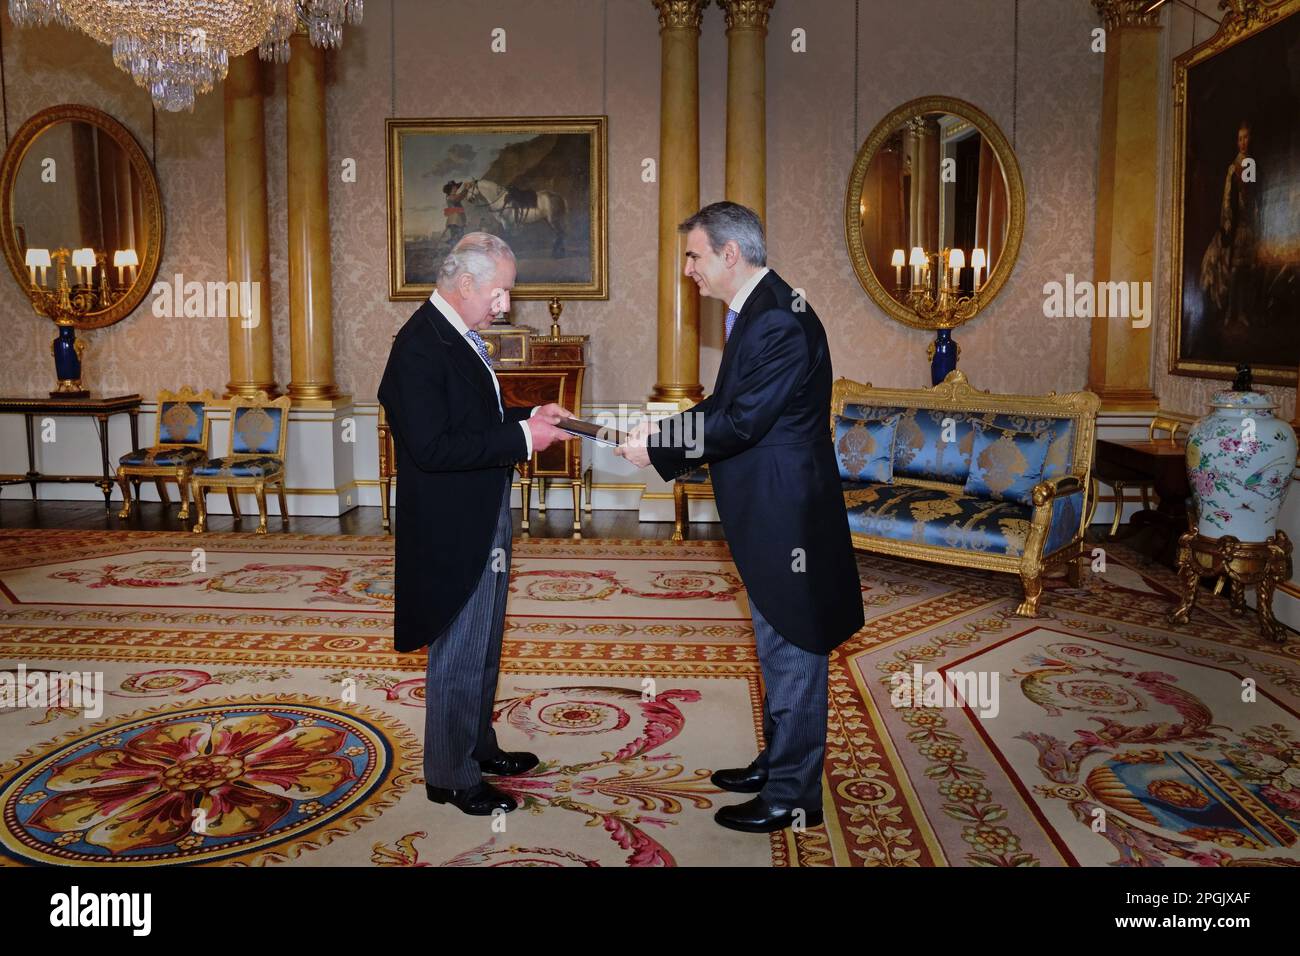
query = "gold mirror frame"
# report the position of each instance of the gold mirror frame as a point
(1015, 196)
(23, 141)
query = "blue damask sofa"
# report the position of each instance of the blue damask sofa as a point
(966, 477)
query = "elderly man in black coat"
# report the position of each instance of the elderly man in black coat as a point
(765, 434)
(456, 445)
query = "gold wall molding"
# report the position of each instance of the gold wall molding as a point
(680, 14)
(1243, 16)
(1126, 13)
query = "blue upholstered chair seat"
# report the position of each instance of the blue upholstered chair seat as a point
(696, 476)
(935, 516)
(259, 467)
(163, 457)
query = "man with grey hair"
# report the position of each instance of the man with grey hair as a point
(764, 432)
(456, 444)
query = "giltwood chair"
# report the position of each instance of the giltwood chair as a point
(181, 432)
(258, 430)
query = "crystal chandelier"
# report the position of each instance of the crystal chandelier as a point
(177, 49)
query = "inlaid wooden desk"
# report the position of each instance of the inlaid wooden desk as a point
(101, 409)
(1163, 462)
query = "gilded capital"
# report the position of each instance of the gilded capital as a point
(746, 14)
(680, 14)
(1126, 13)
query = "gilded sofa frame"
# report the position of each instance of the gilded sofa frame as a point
(257, 484)
(129, 474)
(955, 393)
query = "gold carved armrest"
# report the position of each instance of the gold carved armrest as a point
(1045, 491)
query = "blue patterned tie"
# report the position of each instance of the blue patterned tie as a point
(731, 320)
(480, 345)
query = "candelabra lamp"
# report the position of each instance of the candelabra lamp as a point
(937, 298)
(67, 303)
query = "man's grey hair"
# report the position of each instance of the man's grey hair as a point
(723, 222)
(477, 253)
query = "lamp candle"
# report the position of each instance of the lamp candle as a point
(978, 261)
(898, 262)
(956, 262)
(916, 261)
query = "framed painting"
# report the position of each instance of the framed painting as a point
(1235, 291)
(538, 183)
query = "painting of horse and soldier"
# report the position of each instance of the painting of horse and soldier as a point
(539, 184)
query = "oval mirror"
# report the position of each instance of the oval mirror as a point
(934, 212)
(81, 213)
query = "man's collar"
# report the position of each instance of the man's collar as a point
(738, 301)
(449, 313)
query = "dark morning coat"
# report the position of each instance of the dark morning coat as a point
(454, 459)
(766, 439)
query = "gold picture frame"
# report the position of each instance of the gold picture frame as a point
(537, 182)
(1218, 315)
(878, 137)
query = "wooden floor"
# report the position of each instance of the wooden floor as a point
(152, 516)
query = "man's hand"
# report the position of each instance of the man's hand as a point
(552, 413)
(634, 449)
(544, 433)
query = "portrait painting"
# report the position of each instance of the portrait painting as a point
(1236, 263)
(538, 183)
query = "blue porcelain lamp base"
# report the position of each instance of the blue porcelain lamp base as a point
(943, 354)
(67, 349)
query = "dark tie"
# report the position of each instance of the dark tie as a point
(480, 345)
(731, 320)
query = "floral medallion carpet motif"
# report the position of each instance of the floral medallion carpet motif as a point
(253, 712)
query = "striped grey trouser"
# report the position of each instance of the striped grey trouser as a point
(794, 718)
(461, 682)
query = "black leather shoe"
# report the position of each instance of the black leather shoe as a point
(740, 780)
(480, 800)
(509, 763)
(758, 816)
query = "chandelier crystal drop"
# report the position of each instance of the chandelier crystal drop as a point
(178, 49)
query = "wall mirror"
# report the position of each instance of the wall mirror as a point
(934, 213)
(80, 215)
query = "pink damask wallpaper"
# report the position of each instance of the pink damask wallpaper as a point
(594, 56)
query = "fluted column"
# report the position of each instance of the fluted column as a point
(1128, 174)
(746, 181)
(679, 197)
(311, 338)
(248, 262)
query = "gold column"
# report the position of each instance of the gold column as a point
(247, 253)
(679, 197)
(747, 102)
(311, 338)
(1120, 366)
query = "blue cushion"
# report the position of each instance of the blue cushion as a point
(936, 516)
(920, 449)
(163, 457)
(180, 423)
(257, 430)
(865, 449)
(263, 467)
(1006, 464)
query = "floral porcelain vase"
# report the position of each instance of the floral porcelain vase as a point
(1239, 463)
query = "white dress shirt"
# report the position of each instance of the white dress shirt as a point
(738, 302)
(457, 323)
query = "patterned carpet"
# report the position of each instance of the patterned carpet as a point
(253, 713)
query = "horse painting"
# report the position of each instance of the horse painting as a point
(515, 208)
